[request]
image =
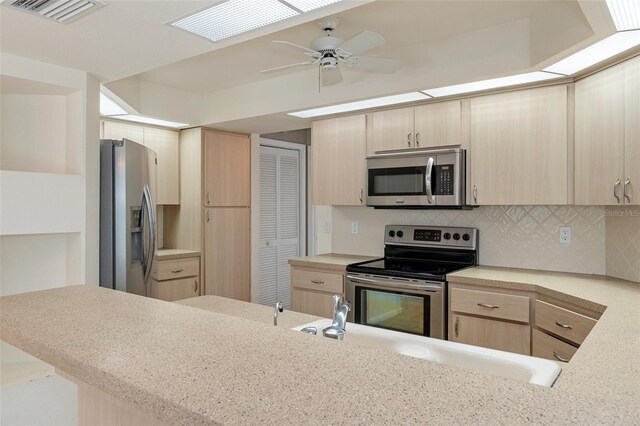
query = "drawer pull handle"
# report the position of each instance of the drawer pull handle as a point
(317, 282)
(195, 288)
(177, 271)
(457, 326)
(559, 357)
(567, 326)
(486, 305)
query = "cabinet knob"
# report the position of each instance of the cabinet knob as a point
(475, 194)
(626, 195)
(567, 326)
(177, 271)
(361, 195)
(457, 327)
(615, 190)
(418, 139)
(486, 305)
(208, 217)
(195, 288)
(208, 198)
(409, 139)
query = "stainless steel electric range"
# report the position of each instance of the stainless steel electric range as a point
(407, 289)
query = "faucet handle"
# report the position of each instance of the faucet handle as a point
(347, 304)
(336, 303)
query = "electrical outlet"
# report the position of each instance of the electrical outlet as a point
(355, 227)
(327, 227)
(565, 235)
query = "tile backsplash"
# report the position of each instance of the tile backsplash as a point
(511, 236)
(623, 242)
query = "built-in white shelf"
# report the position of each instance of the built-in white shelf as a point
(41, 203)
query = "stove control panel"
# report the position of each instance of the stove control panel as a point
(433, 236)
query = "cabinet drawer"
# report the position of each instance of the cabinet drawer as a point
(314, 280)
(489, 304)
(178, 268)
(563, 322)
(546, 346)
(175, 289)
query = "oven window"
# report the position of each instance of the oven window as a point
(395, 311)
(397, 181)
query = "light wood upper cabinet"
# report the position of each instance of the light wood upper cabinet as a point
(227, 169)
(117, 130)
(392, 129)
(425, 126)
(599, 133)
(165, 144)
(438, 124)
(632, 131)
(519, 147)
(227, 247)
(338, 148)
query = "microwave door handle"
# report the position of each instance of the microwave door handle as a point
(427, 180)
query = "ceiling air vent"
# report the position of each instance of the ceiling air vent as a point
(63, 11)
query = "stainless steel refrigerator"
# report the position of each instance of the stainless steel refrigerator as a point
(127, 215)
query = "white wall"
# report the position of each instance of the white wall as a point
(510, 236)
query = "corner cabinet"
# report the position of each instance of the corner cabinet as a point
(608, 136)
(519, 147)
(338, 155)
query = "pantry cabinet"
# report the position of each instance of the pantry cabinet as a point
(425, 126)
(519, 147)
(227, 172)
(338, 152)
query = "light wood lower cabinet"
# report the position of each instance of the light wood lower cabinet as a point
(488, 333)
(227, 248)
(547, 346)
(175, 279)
(312, 290)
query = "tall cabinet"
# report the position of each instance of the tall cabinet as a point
(214, 213)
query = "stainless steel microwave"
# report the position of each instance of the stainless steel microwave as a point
(418, 179)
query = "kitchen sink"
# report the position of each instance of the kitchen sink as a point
(490, 361)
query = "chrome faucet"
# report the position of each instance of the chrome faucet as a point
(276, 310)
(340, 310)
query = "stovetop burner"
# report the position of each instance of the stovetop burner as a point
(393, 267)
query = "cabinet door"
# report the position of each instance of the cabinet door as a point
(632, 131)
(392, 130)
(227, 248)
(117, 130)
(175, 289)
(227, 169)
(599, 137)
(165, 144)
(519, 146)
(312, 302)
(494, 334)
(438, 124)
(338, 153)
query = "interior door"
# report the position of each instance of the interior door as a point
(279, 222)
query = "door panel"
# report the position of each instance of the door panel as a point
(632, 130)
(493, 334)
(227, 170)
(438, 124)
(392, 129)
(165, 144)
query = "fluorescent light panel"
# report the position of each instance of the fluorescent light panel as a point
(354, 106)
(493, 83)
(602, 50)
(625, 14)
(233, 17)
(109, 107)
(309, 5)
(149, 120)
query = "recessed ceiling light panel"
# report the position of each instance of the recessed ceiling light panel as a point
(625, 14)
(354, 106)
(493, 83)
(309, 5)
(150, 120)
(602, 50)
(232, 17)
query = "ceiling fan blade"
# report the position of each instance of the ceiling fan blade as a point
(364, 41)
(331, 76)
(276, 69)
(383, 65)
(298, 46)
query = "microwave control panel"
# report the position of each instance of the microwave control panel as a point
(444, 179)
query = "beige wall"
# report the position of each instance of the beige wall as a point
(623, 242)
(510, 236)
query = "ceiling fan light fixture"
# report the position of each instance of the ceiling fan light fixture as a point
(309, 5)
(625, 14)
(366, 104)
(493, 83)
(233, 17)
(598, 52)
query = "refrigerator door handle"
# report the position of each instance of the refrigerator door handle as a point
(148, 257)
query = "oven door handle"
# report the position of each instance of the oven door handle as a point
(408, 286)
(427, 180)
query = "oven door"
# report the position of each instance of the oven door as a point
(398, 304)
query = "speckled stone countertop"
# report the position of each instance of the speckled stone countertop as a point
(192, 366)
(332, 261)
(168, 254)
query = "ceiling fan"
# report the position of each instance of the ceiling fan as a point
(328, 52)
